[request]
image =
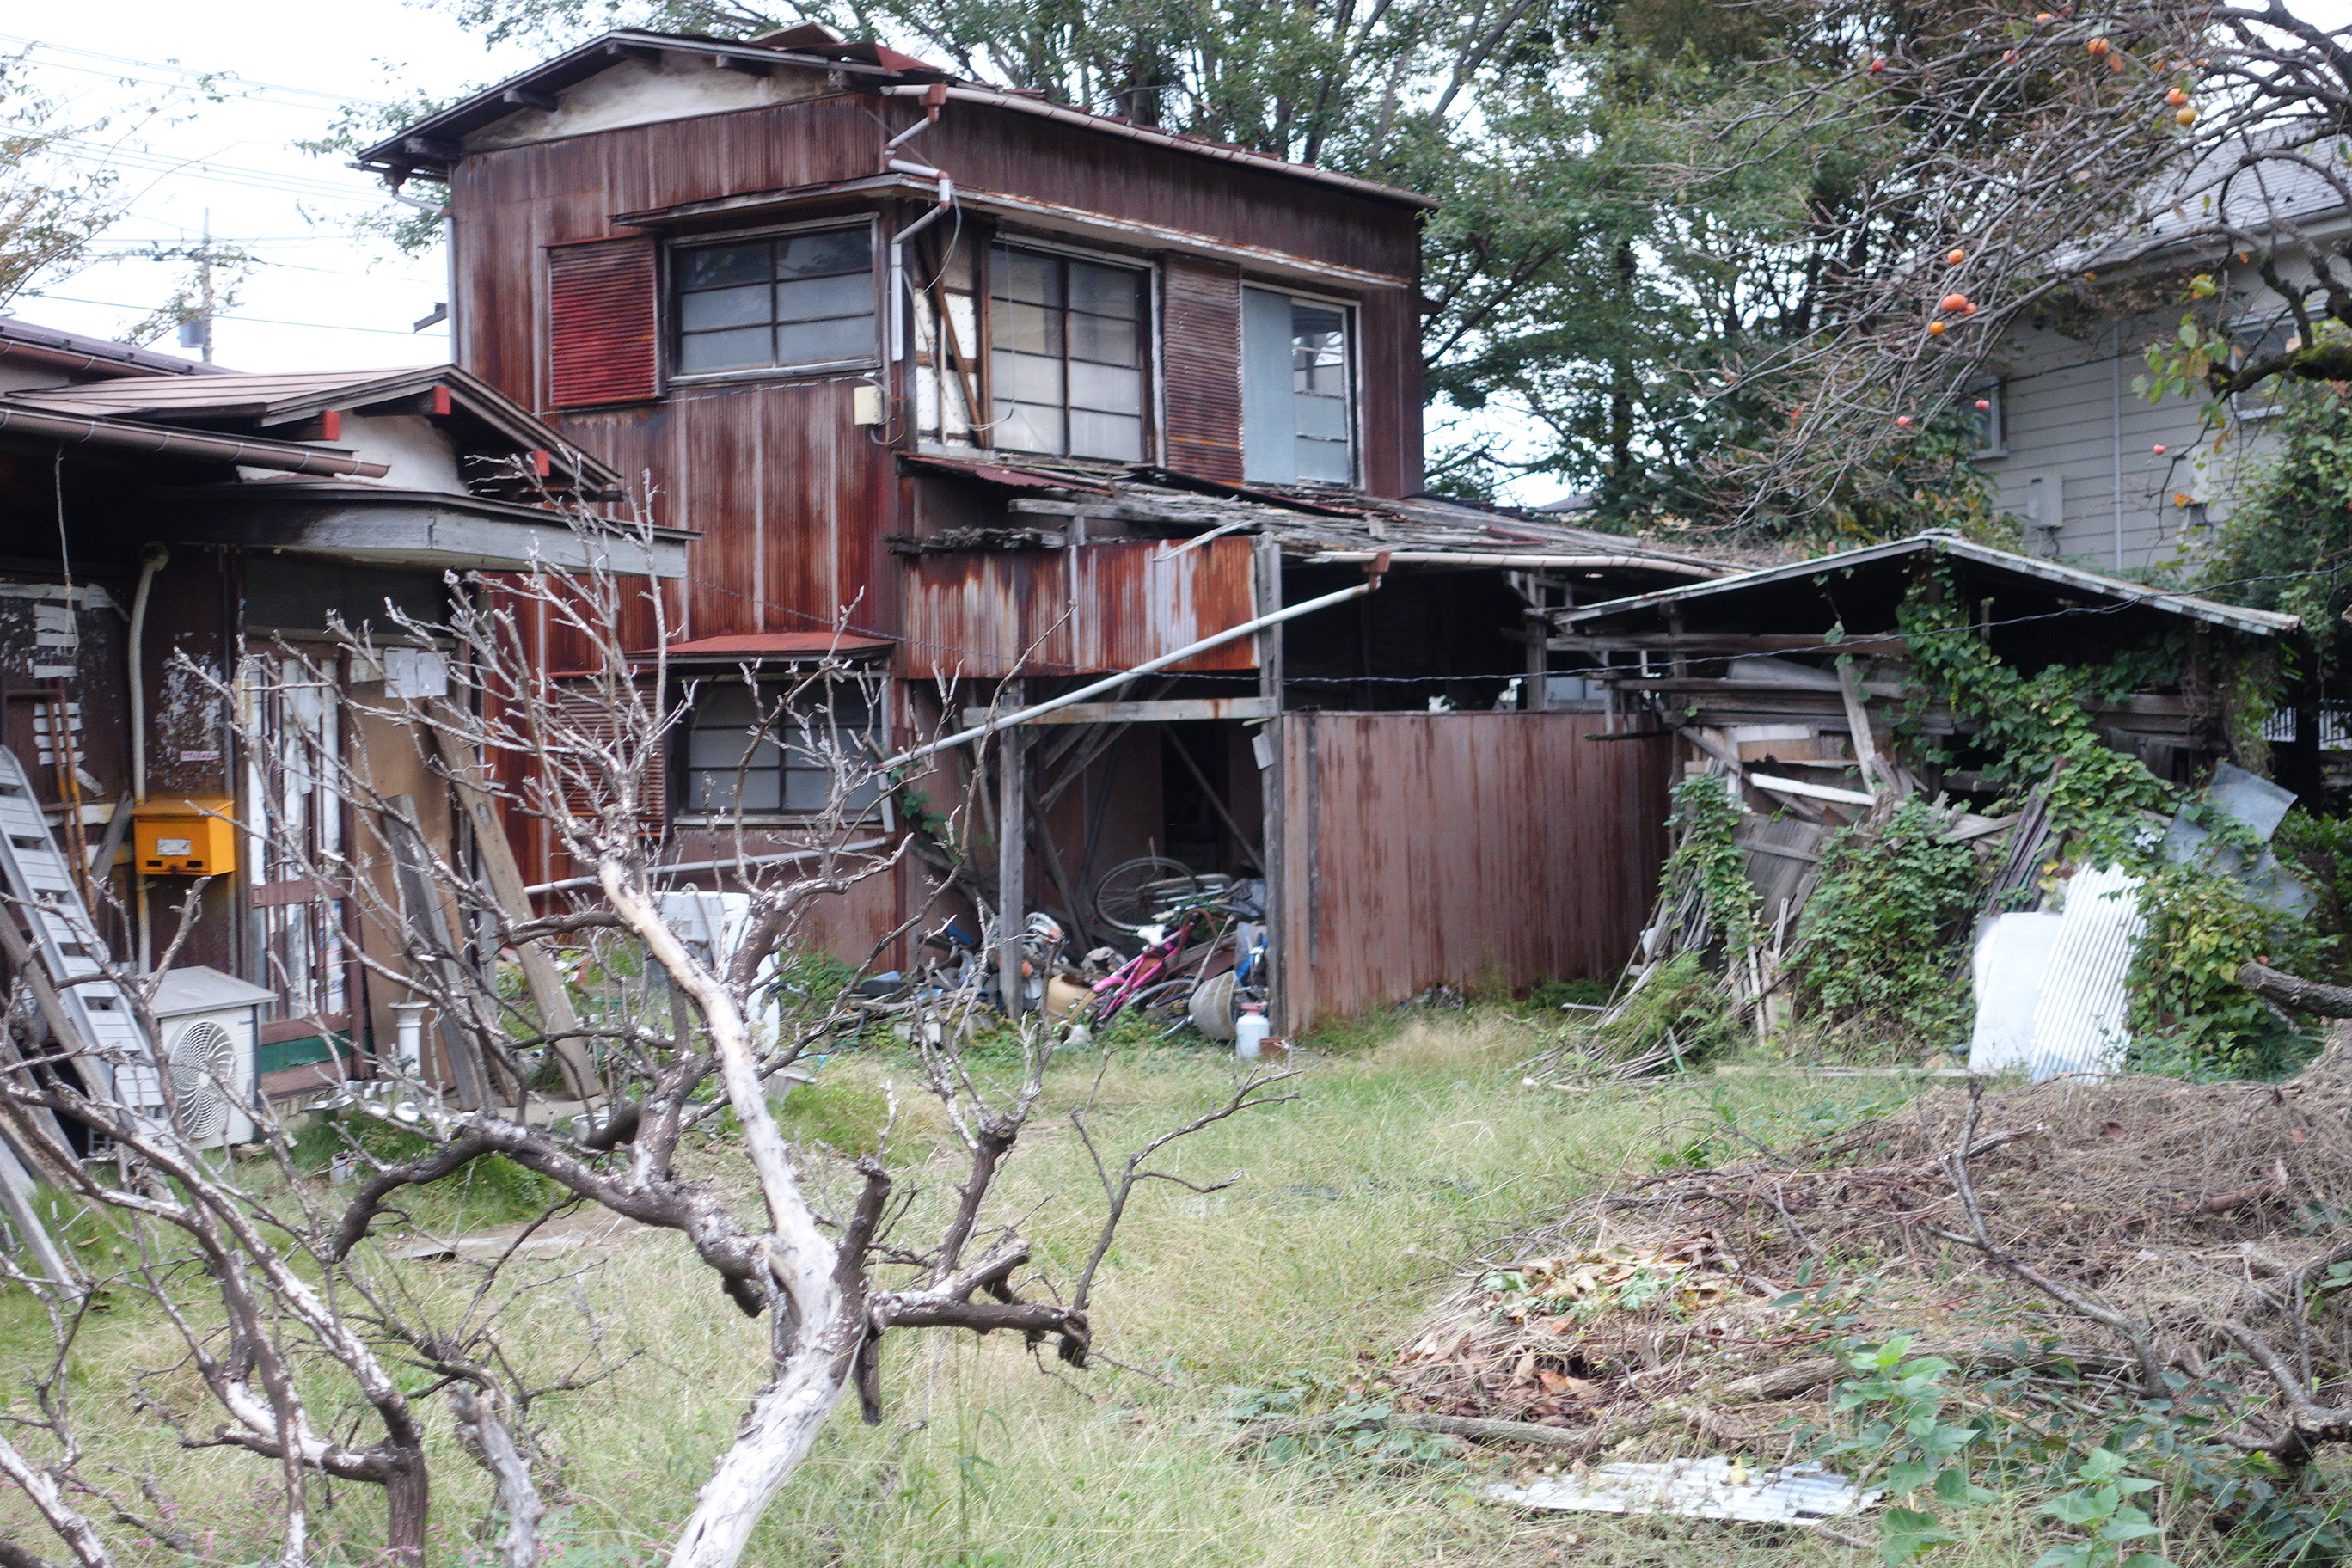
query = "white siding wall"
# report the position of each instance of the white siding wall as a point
(2074, 423)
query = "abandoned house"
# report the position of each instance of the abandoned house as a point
(178, 538)
(1002, 397)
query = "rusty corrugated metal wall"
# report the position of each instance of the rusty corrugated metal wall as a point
(1462, 849)
(1104, 607)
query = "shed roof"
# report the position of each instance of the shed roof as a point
(431, 145)
(1754, 591)
(1320, 524)
(266, 399)
(20, 339)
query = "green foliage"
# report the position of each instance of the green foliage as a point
(844, 1115)
(2189, 1016)
(2036, 728)
(1553, 995)
(2286, 545)
(1350, 1431)
(1709, 857)
(1880, 929)
(489, 1188)
(1681, 1000)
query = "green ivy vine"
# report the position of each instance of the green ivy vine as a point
(1879, 934)
(1708, 855)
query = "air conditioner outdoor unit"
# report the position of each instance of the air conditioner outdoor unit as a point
(206, 1029)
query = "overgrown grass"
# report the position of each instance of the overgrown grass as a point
(1407, 1150)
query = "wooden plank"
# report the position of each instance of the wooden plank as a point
(1172, 711)
(428, 932)
(1779, 785)
(539, 975)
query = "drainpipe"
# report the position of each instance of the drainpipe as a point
(153, 557)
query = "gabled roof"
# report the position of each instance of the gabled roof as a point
(268, 399)
(431, 144)
(2073, 581)
(20, 339)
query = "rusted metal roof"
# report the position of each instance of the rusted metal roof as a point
(283, 397)
(2090, 584)
(770, 645)
(1315, 525)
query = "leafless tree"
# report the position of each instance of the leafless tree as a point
(287, 1277)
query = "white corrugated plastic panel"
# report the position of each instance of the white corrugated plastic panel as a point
(2079, 1026)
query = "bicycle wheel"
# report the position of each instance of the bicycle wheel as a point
(1165, 1000)
(1144, 891)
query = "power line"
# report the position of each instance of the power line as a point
(145, 162)
(336, 99)
(256, 320)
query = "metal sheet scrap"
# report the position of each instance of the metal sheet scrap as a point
(1699, 1488)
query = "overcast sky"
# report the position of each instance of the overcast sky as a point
(279, 72)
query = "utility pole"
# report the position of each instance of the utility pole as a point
(199, 333)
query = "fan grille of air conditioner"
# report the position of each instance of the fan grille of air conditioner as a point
(203, 1059)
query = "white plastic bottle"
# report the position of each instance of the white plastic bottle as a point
(1250, 1030)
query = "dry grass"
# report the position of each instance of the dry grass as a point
(1357, 1204)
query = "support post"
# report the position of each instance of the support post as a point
(1265, 575)
(1011, 870)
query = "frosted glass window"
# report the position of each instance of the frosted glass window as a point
(1298, 419)
(1067, 355)
(794, 301)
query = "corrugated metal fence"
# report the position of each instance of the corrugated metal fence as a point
(1462, 849)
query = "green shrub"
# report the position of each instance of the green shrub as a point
(1880, 936)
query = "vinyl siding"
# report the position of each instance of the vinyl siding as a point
(2073, 419)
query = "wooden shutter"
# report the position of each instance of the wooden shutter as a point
(603, 315)
(1200, 356)
(581, 705)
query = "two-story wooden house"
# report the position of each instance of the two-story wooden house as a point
(990, 390)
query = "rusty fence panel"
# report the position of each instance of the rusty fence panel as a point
(1465, 850)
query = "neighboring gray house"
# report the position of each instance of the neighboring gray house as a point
(2069, 444)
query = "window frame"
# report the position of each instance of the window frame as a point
(673, 334)
(768, 679)
(1150, 411)
(1996, 441)
(1350, 317)
(2246, 335)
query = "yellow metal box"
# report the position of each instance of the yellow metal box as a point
(178, 839)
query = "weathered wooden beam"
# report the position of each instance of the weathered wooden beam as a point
(1170, 711)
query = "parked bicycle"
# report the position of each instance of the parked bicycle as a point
(1186, 919)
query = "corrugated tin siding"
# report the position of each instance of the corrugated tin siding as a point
(1200, 356)
(1098, 608)
(603, 321)
(1462, 849)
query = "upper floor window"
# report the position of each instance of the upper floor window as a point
(789, 301)
(2256, 341)
(1297, 389)
(1067, 365)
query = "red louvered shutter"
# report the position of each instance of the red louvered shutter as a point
(603, 316)
(1202, 353)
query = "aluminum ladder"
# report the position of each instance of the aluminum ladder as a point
(39, 882)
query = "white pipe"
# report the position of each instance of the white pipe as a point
(1111, 681)
(408, 1030)
(153, 557)
(731, 863)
